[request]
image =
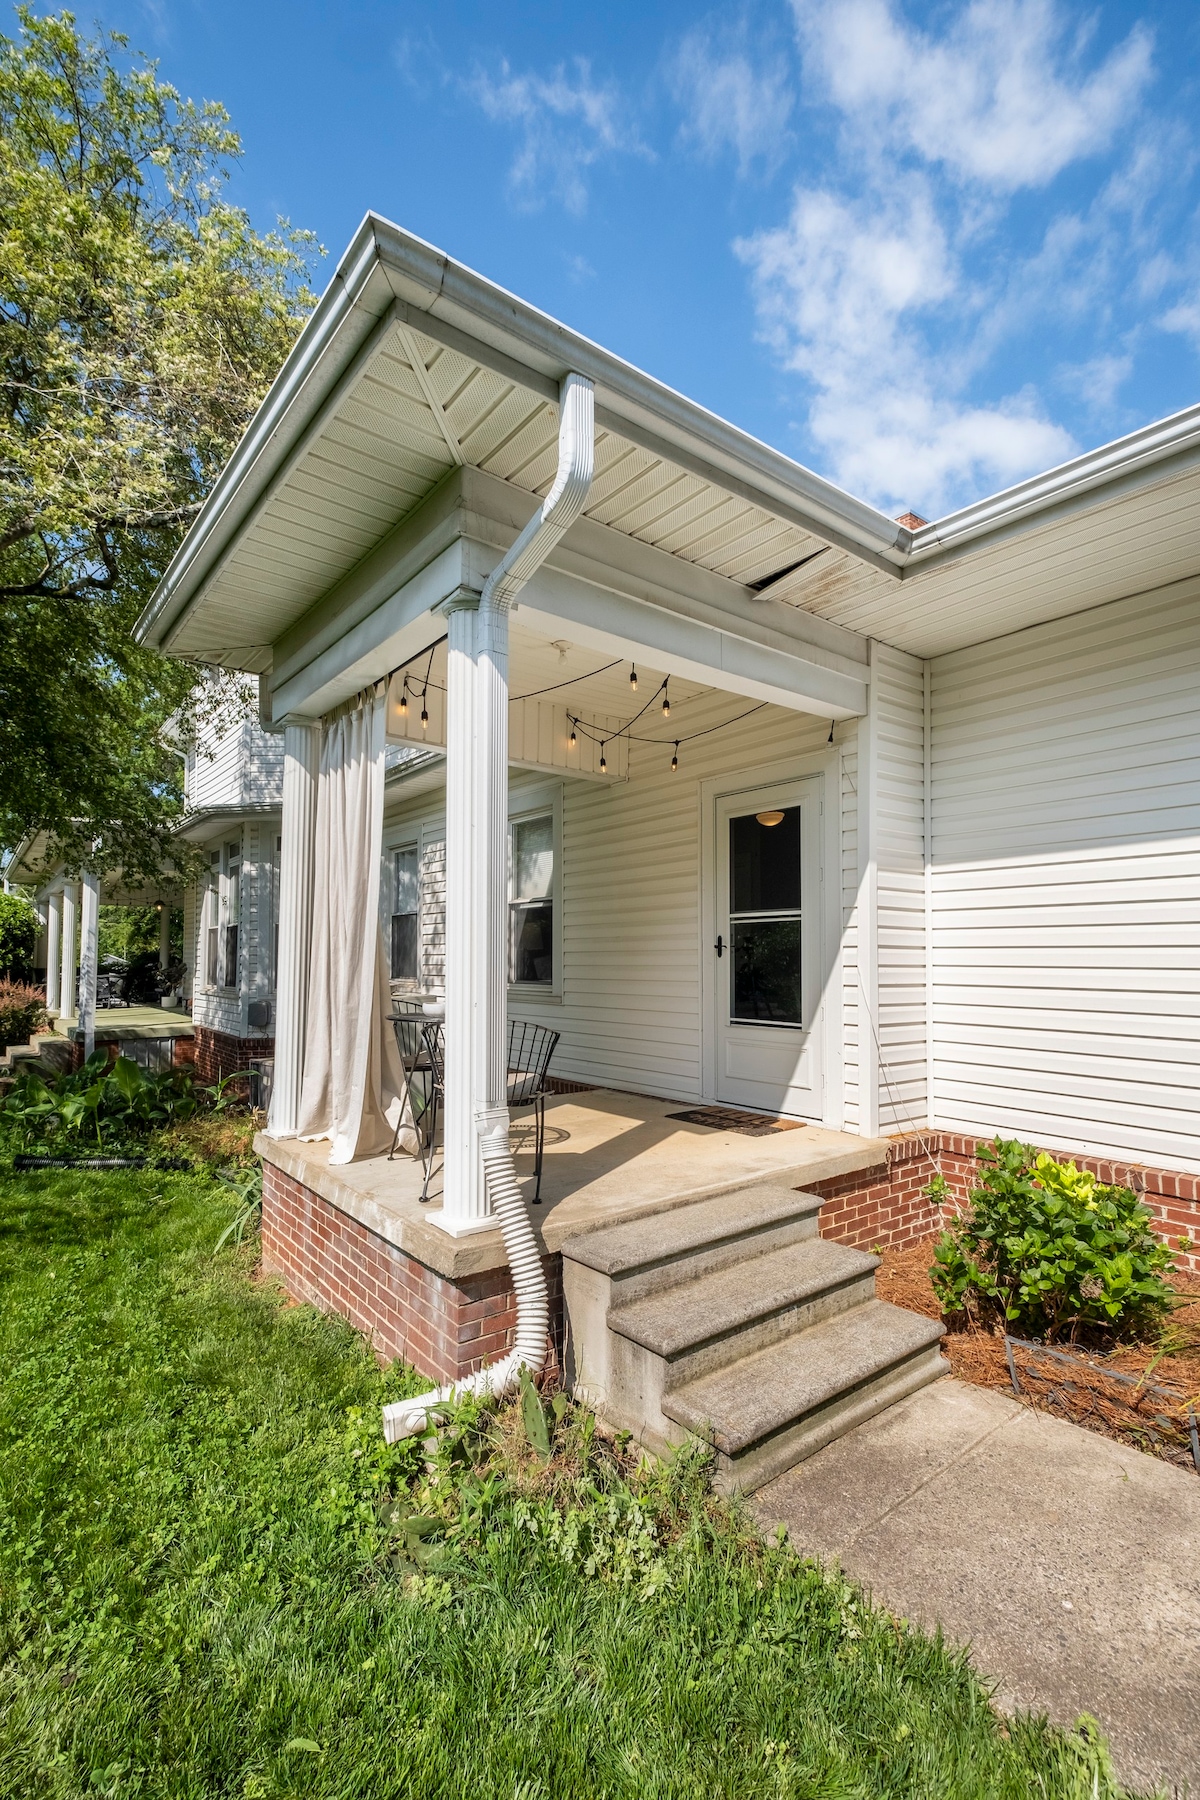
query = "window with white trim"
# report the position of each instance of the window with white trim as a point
(212, 934)
(405, 942)
(231, 903)
(531, 901)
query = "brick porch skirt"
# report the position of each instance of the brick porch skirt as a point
(444, 1328)
(449, 1328)
(888, 1204)
(220, 1053)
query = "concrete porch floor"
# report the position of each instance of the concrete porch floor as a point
(608, 1155)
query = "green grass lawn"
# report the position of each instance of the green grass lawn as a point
(202, 1592)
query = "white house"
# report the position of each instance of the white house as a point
(894, 834)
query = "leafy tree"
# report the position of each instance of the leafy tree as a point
(18, 936)
(141, 321)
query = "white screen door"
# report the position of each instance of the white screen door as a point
(767, 989)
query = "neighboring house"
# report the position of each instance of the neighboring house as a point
(233, 775)
(896, 833)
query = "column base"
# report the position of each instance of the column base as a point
(459, 1227)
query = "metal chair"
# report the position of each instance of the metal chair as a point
(408, 1024)
(530, 1048)
(433, 1038)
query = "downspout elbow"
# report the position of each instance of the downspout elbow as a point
(562, 505)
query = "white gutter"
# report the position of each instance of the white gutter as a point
(1134, 455)
(561, 507)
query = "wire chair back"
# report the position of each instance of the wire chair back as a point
(433, 1035)
(408, 1022)
(530, 1048)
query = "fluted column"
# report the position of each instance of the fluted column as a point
(301, 767)
(54, 908)
(464, 1206)
(89, 935)
(70, 916)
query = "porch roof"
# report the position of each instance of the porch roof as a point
(412, 366)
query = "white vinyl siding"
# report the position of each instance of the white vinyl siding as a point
(1066, 882)
(898, 713)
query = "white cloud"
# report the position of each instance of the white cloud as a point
(1184, 318)
(729, 102)
(998, 98)
(566, 122)
(843, 290)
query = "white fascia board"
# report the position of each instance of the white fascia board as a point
(1088, 480)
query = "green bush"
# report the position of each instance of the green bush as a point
(18, 937)
(22, 1011)
(1047, 1250)
(113, 1102)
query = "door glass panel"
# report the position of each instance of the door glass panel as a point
(764, 862)
(764, 972)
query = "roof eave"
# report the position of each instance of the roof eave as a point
(385, 267)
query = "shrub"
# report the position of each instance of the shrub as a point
(1046, 1248)
(22, 1011)
(18, 937)
(114, 1102)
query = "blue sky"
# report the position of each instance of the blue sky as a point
(925, 249)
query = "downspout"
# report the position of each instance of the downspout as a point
(558, 511)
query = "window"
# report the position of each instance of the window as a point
(531, 901)
(275, 874)
(212, 952)
(231, 915)
(764, 918)
(405, 944)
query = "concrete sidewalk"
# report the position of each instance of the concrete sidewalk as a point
(1068, 1563)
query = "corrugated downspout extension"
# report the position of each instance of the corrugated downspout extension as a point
(561, 507)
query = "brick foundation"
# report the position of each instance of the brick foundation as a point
(445, 1329)
(220, 1053)
(888, 1204)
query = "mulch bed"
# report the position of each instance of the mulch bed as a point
(1150, 1412)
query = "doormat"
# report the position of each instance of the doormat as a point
(728, 1118)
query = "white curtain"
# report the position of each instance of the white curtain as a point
(352, 1074)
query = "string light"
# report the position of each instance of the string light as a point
(424, 715)
(603, 764)
(675, 759)
(832, 723)
(404, 699)
(666, 701)
(573, 740)
(633, 676)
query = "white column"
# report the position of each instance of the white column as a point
(164, 936)
(301, 767)
(464, 1205)
(89, 933)
(66, 998)
(54, 909)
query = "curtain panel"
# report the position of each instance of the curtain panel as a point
(352, 1075)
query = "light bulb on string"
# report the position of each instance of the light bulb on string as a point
(573, 740)
(675, 759)
(424, 715)
(633, 676)
(603, 764)
(404, 699)
(666, 702)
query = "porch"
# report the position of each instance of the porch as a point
(356, 1239)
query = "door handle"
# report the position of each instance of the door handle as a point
(719, 946)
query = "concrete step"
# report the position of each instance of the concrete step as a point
(727, 1313)
(770, 1410)
(49, 1056)
(660, 1250)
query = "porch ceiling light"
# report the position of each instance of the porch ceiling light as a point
(633, 676)
(769, 818)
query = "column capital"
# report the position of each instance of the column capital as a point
(463, 599)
